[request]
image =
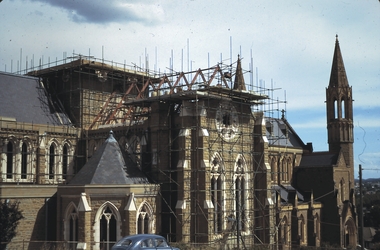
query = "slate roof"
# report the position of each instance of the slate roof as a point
(287, 193)
(319, 159)
(25, 99)
(109, 166)
(280, 133)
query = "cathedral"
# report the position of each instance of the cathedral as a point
(94, 151)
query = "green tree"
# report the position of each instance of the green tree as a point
(10, 216)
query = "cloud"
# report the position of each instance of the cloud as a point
(103, 12)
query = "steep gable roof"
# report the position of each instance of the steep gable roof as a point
(319, 159)
(24, 99)
(108, 166)
(280, 133)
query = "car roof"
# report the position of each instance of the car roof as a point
(142, 236)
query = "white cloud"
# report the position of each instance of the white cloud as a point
(103, 12)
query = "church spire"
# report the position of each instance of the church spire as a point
(338, 77)
(339, 109)
(239, 83)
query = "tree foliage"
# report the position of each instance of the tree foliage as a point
(10, 216)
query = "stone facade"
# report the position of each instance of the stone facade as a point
(221, 173)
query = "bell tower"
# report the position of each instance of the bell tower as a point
(339, 109)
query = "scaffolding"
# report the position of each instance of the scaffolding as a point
(198, 134)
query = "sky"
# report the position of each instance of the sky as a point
(291, 44)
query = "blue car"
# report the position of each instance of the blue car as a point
(142, 241)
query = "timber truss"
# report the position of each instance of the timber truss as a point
(133, 106)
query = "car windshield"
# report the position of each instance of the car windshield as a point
(125, 242)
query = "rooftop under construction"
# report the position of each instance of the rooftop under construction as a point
(191, 132)
(231, 171)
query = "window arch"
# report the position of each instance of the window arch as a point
(273, 169)
(71, 225)
(285, 231)
(25, 170)
(133, 148)
(10, 160)
(343, 108)
(336, 109)
(24, 160)
(53, 160)
(350, 233)
(284, 169)
(91, 148)
(240, 182)
(301, 228)
(67, 160)
(107, 225)
(342, 190)
(217, 193)
(107, 228)
(289, 169)
(145, 219)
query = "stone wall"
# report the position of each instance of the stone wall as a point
(37, 204)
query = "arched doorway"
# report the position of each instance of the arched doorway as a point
(350, 233)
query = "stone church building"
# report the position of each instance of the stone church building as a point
(95, 150)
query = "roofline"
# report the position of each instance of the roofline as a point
(18, 75)
(91, 63)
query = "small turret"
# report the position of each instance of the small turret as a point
(239, 83)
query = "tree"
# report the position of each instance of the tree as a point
(10, 216)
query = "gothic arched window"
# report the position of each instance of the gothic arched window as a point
(52, 160)
(217, 194)
(240, 195)
(65, 161)
(273, 169)
(144, 220)
(284, 234)
(10, 156)
(301, 228)
(107, 228)
(73, 228)
(24, 161)
(336, 112)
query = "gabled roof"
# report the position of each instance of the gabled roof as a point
(319, 159)
(24, 99)
(280, 133)
(338, 77)
(108, 166)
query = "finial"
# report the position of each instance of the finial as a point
(111, 134)
(110, 137)
(336, 38)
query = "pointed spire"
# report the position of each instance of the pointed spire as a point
(338, 77)
(239, 83)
